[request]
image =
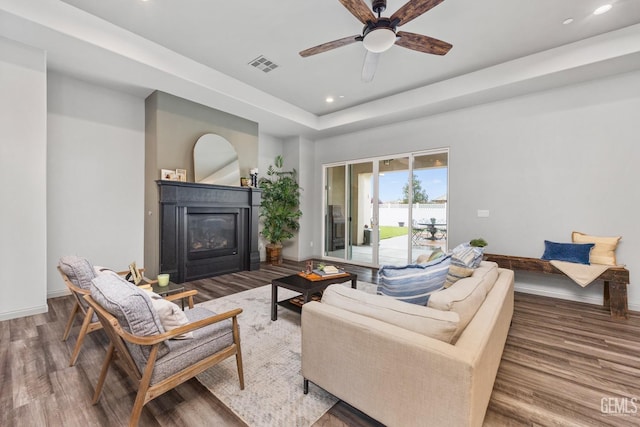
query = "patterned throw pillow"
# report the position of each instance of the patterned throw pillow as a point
(465, 255)
(456, 273)
(414, 283)
(604, 251)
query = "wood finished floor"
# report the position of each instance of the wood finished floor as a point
(561, 359)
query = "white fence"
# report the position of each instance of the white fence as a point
(394, 213)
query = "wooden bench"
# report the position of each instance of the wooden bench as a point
(615, 279)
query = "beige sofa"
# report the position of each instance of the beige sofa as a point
(397, 374)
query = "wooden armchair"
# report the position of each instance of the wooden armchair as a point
(77, 273)
(154, 360)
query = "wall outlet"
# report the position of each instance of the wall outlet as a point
(483, 213)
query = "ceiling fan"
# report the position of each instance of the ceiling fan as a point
(380, 33)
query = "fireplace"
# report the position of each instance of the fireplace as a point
(211, 234)
(207, 230)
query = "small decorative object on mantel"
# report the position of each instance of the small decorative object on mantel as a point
(254, 177)
(174, 175)
(168, 175)
(244, 181)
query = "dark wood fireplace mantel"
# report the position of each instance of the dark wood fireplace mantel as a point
(187, 252)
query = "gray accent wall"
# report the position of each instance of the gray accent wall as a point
(543, 164)
(173, 125)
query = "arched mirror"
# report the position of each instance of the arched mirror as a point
(215, 161)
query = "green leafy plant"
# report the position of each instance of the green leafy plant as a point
(280, 206)
(479, 242)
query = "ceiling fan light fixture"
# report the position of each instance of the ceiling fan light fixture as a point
(379, 39)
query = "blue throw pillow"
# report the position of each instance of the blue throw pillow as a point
(414, 283)
(570, 252)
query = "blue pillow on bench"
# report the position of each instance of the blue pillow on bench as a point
(570, 252)
(414, 283)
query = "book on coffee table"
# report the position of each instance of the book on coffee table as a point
(328, 271)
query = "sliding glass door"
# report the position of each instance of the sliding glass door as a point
(386, 211)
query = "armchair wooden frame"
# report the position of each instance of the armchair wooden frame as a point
(86, 312)
(119, 352)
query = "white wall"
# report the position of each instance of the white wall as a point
(298, 154)
(95, 176)
(543, 165)
(23, 169)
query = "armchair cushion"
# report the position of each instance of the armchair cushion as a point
(132, 307)
(206, 341)
(437, 324)
(79, 270)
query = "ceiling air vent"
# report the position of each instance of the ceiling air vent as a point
(262, 63)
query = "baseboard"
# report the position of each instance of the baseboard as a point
(23, 313)
(58, 293)
(588, 299)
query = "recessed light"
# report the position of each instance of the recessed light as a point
(567, 21)
(602, 9)
(329, 99)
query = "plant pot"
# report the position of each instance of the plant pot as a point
(274, 253)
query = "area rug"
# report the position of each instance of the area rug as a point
(273, 394)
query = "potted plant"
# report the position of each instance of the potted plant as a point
(279, 209)
(478, 243)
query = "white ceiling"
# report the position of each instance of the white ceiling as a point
(200, 50)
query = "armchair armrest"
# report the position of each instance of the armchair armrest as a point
(156, 339)
(185, 294)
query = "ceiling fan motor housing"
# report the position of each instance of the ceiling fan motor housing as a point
(378, 6)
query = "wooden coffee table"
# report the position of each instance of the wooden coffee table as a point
(306, 287)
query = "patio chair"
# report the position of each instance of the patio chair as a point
(154, 360)
(77, 273)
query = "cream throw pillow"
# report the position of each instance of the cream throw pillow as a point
(171, 316)
(604, 251)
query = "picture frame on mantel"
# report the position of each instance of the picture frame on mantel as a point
(168, 175)
(181, 175)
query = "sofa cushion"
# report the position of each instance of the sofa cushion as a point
(456, 273)
(604, 251)
(570, 252)
(414, 283)
(79, 270)
(466, 295)
(437, 324)
(132, 307)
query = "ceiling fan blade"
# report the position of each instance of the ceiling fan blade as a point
(412, 9)
(359, 9)
(370, 66)
(330, 45)
(422, 43)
